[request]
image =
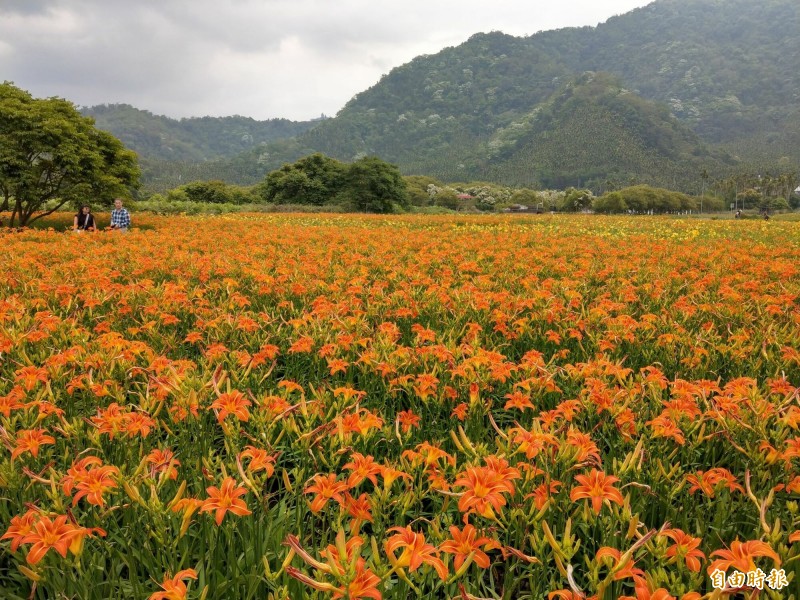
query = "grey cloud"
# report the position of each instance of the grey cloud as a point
(263, 58)
(26, 6)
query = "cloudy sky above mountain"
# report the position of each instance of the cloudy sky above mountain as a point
(259, 58)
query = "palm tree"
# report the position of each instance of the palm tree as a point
(704, 178)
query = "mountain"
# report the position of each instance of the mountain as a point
(193, 139)
(655, 96)
(175, 151)
(595, 131)
(697, 81)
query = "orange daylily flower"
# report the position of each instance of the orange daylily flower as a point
(426, 386)
(664, 426)
(337, 365)
(364, 585)
(586, 450)
(460, 411)
(94, 483)
(110, 420)
(707, 481)
(597, 487)
(174, 588)
(532, 443)
(57, 534)
(465, 542)
(362, 467)
(622, 571)
(390, 475)
(644, 593)
(260, 460)
(407, 420)
(740, 556)
(20, 527)
(164, 461)
(225, 499)
(30, 376)
(326, 487)
(685, 548)
(415, 551)
(543, 492)
(485, 487)
(518, 400)
(302, 345)
(138, 423)
(232, 403)
(359, 509)
(30, 440)
(12, 401)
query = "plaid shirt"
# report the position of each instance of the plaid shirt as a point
(121, 217)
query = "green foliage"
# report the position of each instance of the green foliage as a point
(49, 152)
(174, 204)
(367, 185)
(610, 203)
(643, 198)
(372, 185)
(749, 198)
(194, 139)
(576, 200)
(709, 203)
(315, 179)
(218, 192)
(447, 198)
(592, 130)
(771, 204)
(419, 189)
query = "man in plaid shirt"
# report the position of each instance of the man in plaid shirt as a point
(120, 217)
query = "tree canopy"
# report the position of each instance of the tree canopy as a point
(50, 156)
(367, 185)
(643, 198)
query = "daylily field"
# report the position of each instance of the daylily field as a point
(283, 406)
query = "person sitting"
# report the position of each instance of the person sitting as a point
(84, 220)
(120, 217)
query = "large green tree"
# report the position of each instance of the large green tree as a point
(315, 179)
(51, 156)
(367, 185)
(373, 185)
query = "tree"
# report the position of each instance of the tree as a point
(576, 200)
(448, 198)
(418, 187)
(771, 204)
(610, 202)
(315, 179)
(373, 185)
(704, 176)
(50, 156)
(712, 203)
(217, 192)
(525, 197)
(749, 198)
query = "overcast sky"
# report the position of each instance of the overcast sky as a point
(259, 58)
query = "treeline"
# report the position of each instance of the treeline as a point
(193, 139)
(369, 184)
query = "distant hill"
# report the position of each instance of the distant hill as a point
(174, 151)
(655, 95)
(594, 133)
(192, 139)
